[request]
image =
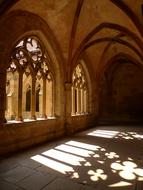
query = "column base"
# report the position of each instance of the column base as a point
(5, 120)
(44, 116)
(2, 121)
(33, 117)
(19, 118)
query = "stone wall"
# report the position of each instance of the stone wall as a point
(82, 122)
(18, 136)
(15, 137)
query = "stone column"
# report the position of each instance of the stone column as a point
(44, 99)
(82, 100)
(20, 86)
(52, 94)
(2, 97)
(49, 99)
(40, 102)
(78, 101)
(33, 98)
(73, 100)
(68, 107)
(85, 101)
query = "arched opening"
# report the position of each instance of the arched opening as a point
(29, 76)
(121, 92)
(79, 91)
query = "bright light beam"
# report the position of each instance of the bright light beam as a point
(64, 157)
(120, 184)
(83, 145)
(74, 150)
(62, 168)
(103, 133)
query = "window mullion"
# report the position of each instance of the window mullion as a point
(20, 86)
(33, 98)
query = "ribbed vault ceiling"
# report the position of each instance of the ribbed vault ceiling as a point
(98, 29)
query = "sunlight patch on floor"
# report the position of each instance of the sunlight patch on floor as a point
(103, 133)
(96, 175)
(75, 150)
(83, 145)
(120, 184)
(60, 167)
(128, 170)
(64, 157)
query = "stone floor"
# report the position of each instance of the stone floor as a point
(102, 158)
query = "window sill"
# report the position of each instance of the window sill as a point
(81, 114)
(30, 120)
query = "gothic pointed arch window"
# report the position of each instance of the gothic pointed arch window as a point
(29, 65)
(79, 91)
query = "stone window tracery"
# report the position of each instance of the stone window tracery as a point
(29, 64)
(79, 91)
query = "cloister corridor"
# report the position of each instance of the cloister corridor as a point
(101, 158)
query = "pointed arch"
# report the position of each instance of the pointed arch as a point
(81, 89)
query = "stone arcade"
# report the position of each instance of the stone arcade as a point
(68, 66)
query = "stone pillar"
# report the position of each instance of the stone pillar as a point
(20, 87)
(33, 98)
(68, 107)
(13, 95)
(52, 94)
(82, 100)
(9, 107)
(40, 102)
(78, 101)
(2, 97)
(49, 99)
(85, 101)
(73, 100)
(44, 99)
